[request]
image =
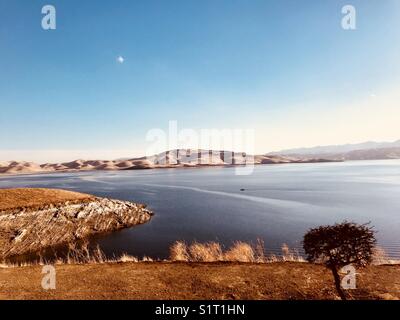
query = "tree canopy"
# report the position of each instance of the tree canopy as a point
(339, 245)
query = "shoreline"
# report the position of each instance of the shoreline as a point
(7, 175)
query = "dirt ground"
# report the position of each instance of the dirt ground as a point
(159, 280)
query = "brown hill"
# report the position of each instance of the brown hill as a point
(168, 159)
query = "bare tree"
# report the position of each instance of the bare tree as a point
(340, 245)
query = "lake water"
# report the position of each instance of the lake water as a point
(279, 203)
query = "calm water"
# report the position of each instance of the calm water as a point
(279, 204)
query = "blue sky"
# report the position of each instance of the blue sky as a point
(283, 68)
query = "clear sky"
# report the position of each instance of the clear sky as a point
(113, 70)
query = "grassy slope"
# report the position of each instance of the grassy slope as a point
(195, 281)
(16, 198)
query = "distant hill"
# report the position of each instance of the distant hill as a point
(361, 151)
(368, 154)
(332, 149)
(168, 159)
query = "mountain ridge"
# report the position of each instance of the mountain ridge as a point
(178, 158)
(339, 148)
(169, 159)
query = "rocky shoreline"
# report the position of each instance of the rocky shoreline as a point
(26, 230)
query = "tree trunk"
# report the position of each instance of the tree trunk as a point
(338, 284)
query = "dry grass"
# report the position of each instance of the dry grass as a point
(31, 198)
(192, 281)
(127, 258)
(179, 252)
(77, 254)
(259, 250)
(239, 252)
(207, 252)
(83, 254)
(291, 255)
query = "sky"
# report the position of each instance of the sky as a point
(112, 71)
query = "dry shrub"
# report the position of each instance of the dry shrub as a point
(259, 251)
(127, 258)
(147, 259)
(179, 252)
(82, 254)
(297, 256)
(291, 255)
(207, 252)
(77, 254)
(240, 252)
(272, 258)
(286, 254)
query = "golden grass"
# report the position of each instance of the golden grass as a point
(83, 254)
(77, 254)
(181, 252)
(239, 252)
(207, 252)
(29, 197)
(246, 252)
(127, 258)
(291, 255)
